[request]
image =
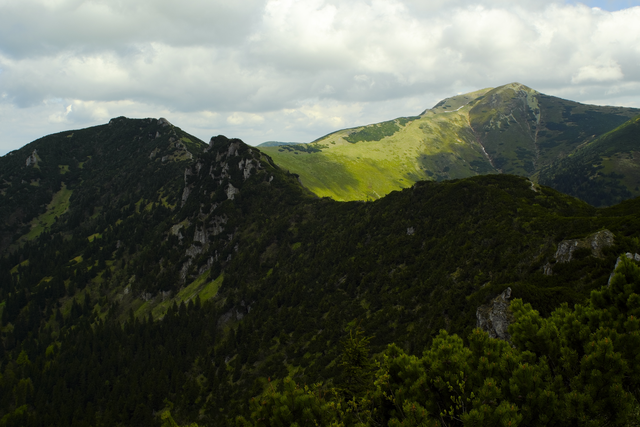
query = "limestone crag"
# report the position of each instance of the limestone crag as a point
(596, 242)
(231, 191)
(219, 176)
(496, 316)
(164, 122)
(32, 160)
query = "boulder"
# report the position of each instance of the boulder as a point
(496, 316)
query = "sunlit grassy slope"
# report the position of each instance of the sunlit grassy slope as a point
(510, 129)
(439, 144)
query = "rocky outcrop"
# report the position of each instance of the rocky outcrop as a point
(246, 168)
(164, 122)
(187, 187)
(496, 316)
(200, 236)
(226, 160)
(231, 191)
(596, 242)
(32, 160)
(234, 146)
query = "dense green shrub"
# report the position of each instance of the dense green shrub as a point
(578, 366)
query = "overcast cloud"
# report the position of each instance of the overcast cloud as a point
(292, 70)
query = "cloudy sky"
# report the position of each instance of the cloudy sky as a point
(294, 70)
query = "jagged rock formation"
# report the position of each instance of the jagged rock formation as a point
(217, 178)
(496, 316)
(596, 242)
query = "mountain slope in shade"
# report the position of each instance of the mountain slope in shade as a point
(603, 172)
(115, 164)
(185, 283)
(511, 129)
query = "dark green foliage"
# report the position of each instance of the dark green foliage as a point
(402, 121)
(356, 364)
(305, 148)
(374, 132)
(577, 367)
(297, 270)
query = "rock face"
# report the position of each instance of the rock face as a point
(496, 316)
(226, 165)
(596, 242)
(33, 158)
(164, 122)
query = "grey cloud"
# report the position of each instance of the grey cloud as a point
(282, 66)
(30, 28)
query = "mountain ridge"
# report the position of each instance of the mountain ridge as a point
(510, 129)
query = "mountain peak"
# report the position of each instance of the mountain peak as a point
(515, 86)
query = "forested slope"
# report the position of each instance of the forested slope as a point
(189, 297)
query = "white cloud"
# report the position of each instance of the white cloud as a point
(293, 69)
(598, 73)
(239, 118)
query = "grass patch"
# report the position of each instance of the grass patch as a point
(201, 286)
(63, 169)
(211, 289)
(138, 203)
(24, 263)
(58, 206)
(94, 236)
(167, 204)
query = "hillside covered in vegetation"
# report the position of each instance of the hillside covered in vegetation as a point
(149, 272)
